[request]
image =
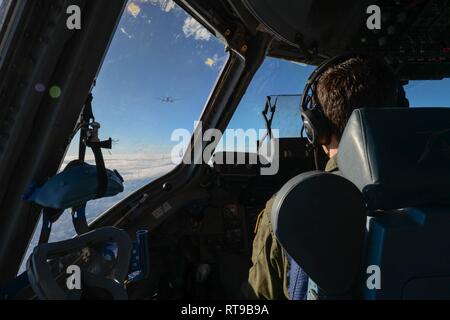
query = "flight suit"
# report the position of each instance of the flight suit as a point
(268, 277)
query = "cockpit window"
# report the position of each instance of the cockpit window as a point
(433, 93)
(156, 78)
(283, 81)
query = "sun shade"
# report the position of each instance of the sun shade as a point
(74, 187)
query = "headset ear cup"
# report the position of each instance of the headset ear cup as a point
(309, 127)
(317, 127)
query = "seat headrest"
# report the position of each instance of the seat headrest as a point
(398, 157)
(319, 219)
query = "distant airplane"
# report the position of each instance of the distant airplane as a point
(168, 99)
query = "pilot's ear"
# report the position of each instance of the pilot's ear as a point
(326, 150)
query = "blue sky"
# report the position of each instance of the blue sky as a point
(429, 93)
(159, 51)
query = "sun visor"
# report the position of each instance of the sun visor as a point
(74, 187)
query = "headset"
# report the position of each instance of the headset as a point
(315, 124)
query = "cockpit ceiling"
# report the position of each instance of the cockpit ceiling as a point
(414, 35)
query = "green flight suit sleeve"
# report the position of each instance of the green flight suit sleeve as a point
(268, 275)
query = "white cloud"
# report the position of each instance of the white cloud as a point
(129, 36)
(165, 5)
(134, 9)
(210, 62)
(168, 6)
(216, 61)
(134, 166)
(194, 29)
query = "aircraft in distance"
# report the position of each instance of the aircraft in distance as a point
(168, 99)
(381, 230)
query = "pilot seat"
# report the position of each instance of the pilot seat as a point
(380, 227)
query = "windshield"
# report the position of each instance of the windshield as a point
(281, 80)
(284, 81)
(156, 78)
(433, 93)
(286, 115)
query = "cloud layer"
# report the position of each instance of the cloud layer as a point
(194, 29)
(191, 28)
(134, 7)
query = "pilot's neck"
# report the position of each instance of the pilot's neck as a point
(332, 149)
(332, 153)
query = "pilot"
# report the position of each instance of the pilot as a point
(341, 86)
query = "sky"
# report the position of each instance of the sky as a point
(159, 51)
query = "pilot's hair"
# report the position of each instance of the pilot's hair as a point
(357, 82)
